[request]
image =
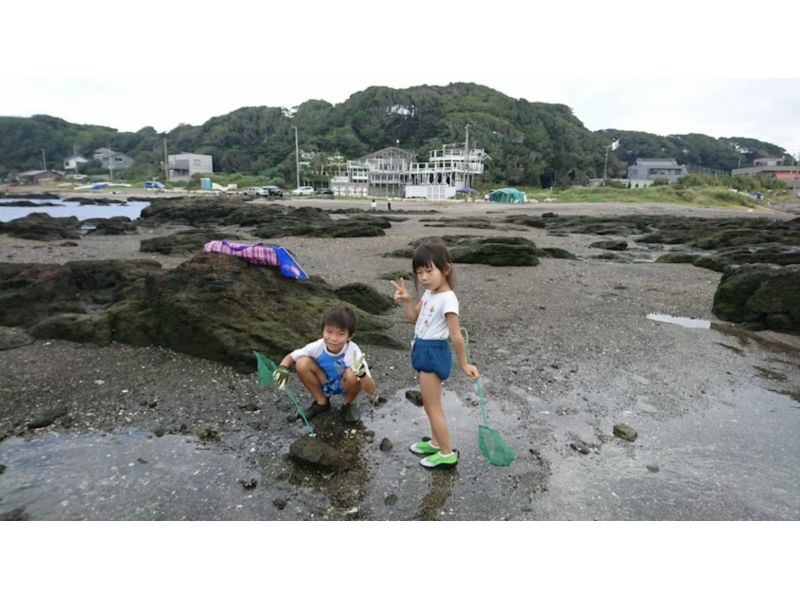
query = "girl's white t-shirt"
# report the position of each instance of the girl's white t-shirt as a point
(431, 322)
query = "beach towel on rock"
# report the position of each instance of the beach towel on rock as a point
(259, 253)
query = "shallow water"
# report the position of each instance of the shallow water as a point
(126, 476)
(681, 321)
(734, 460)
(131, 209)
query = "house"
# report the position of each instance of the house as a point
(182, 166)
(74, 162)
(39, 177)
(652, 169)
(112, 160)
(773, 168)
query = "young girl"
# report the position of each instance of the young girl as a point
(436, 319)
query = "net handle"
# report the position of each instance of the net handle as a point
(478, 381)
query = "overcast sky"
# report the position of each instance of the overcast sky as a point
(686, 69)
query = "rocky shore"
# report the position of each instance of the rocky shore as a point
(129, 342)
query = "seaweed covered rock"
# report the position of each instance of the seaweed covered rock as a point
(188, 241)
(762, 295)
(365, 297)
(213, 306)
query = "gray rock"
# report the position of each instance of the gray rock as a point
(390, 500)
(581, 446)
(386, 445)
(313, 451)
(11, 338)
(47, 418)
(415, 397)
(625, 432)
(653, 468)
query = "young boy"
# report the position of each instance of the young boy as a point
(331, 365)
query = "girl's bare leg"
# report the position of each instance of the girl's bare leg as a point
(431, 387)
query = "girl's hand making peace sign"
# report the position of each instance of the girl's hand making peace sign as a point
(400, 291)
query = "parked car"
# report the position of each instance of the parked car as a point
(324, 191)
(264, 191)
(154, 185)
(272, 190)
(303, 191)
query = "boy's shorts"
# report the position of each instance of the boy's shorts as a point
(333, 387)
(432, 356)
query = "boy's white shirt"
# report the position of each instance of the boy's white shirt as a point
(316, 348)
(432, 321)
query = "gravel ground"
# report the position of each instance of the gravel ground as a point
(566, 351)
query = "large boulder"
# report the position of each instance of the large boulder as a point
(213, 306)
(762, 295)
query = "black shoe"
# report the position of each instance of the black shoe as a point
(350, 414)
(315, 409)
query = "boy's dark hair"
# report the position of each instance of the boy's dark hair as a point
(340, 316)
(434, 252)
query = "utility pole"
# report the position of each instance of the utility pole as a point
(466, 155)
(296, 156)
(166, 163)
(44, 160)
(605, 165)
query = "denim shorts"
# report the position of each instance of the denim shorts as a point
(432, 356)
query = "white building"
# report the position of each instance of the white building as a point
(394, 172)
(181, 167)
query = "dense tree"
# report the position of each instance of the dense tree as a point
(528, 143)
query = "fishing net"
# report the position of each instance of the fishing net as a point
(492, 445)
(266, 367)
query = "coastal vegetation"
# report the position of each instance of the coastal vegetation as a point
(529, 144)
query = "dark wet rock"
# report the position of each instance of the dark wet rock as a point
(69, 244)
(42, 227)
(23, 203)
(26, 195)
(390, 500)
(15, 515)
(2, 469)
(760, 294)
(386, 445)
(280, 503)
(98, 201)
(625, 432)
(527, 220)
(79, 328)
(249, 484)
(47, 418)
(117, 225)
(415, 397)
(611, 245)
(208, 434)
(494, 251)
(315, 452)
(30, 293)
(549, 215)
(653, 468)
(770, 253)
(160, 431)
(556, 253)
(11, 338)
(467, 222)
(581, 446)
(200, 212)
(364, 296)
(231, 306)
(189, 241)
